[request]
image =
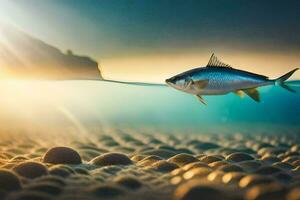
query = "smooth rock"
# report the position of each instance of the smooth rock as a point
(62, 155)
(266, 192)
(9, 180)
(252, 180)
(105, 191)
(195, 190)
(182, 159)
(31, 169)
(128, 182)
(238, 157)
(111, 159)
(164, 166)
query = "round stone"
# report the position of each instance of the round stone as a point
(195, 190)
(149, 160)
(61, 170)
(267, 170)
(232, 177)
(296, 163)
(51, 179)
(18, 159)
(230, 168)
(218, 164)
(106, 191)
(47, 188)
(82, 171)
(294, 194)
(182, 159)
(164, 166)
(252, 180)
(31, 169)
(265, 192)
(195, 165)
(210, 159)
(163, 153)
(270, 159)
(250, 165)
(128, 182)
(197, 172)
(238, 157)
(283, 165)
(137, 158)
(111, 159)
(9, 181)
(62, 155)
(205, 146)
(216, 176)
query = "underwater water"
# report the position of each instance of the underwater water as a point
(90, 140)
(92, 103)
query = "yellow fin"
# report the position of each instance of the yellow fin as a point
(253, 93)
(240, 93)
(200, 84)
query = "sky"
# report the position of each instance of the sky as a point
(152, 40)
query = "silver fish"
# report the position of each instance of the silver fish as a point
(218, 78)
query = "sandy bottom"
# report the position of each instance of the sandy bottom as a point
(132, 164)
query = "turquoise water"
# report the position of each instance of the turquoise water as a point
(91, 103)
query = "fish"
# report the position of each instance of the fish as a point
(218, 78)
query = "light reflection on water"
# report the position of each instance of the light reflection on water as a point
(90, 103)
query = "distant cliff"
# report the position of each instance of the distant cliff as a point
(23, 56)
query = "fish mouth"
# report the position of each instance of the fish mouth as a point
(169, 82)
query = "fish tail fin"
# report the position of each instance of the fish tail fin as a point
(281, 80)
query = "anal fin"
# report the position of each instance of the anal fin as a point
(200, 98)
(253, 93)
(240, 93)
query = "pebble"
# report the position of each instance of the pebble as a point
(62, 155)
(266, 192)
(182, 159)
(160, 153)
(149, 160)
(46, 188)
(31, 169)
(232, 177)
(210, 159)
(195, 190)
(164, 166)
(294, 194)
(238, 157)
(252, 180)
(105, 191)
(267, 170)
(9, 180)
(250, 165)
(128, 182)
(59, 170)
(111, 159)
(230, 168)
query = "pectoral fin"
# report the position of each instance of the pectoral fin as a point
(253, 93)
(240, 93)
(201, 99)
(200, 84)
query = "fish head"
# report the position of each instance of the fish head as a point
(178, 82)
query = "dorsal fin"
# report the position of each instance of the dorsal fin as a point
(215, 62)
